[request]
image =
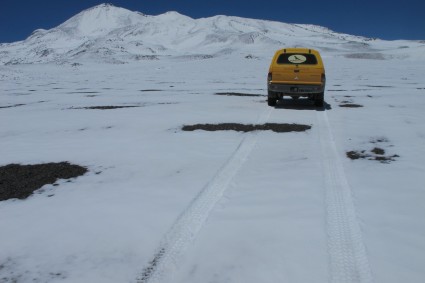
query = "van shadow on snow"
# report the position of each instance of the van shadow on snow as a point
(301, 104)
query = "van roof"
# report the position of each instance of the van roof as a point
(296, 50)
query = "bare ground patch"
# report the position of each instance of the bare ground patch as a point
(151, 90)
(20, 181)
(11, 106)
(83, 92)
(105, 107)
(238, 94)
(350, 90)
(278, 128)
(350, 105)
(376, 153)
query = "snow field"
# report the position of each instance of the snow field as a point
(270, 222)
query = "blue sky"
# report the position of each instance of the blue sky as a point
(382, 19)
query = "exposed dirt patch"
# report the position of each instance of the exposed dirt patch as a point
(380, 86)
(376, 153)
(84, 92)
(146, 57)
(11, 106)
(350, 105)
(353, 155)
(107, 107)
(371, 156)
(350, 90)
(250, 56)
(20, 181)
(237, 94)
(166, 103)
(278, 128)
(379, 140)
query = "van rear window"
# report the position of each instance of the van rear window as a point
(297, 59)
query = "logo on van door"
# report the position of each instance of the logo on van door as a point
(297, 59)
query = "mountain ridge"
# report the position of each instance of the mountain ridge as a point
(106, 33)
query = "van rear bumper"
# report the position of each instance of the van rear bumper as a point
(279, 90)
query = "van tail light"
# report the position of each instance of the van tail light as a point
(323, 79)
(269, 77)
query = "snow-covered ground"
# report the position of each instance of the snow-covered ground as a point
(160, 204)
(214, 206)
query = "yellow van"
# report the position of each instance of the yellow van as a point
(296, 72)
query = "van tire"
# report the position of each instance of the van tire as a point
(271, 101)
(319, 100)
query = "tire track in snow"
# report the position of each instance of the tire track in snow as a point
(191, 220)
(347, 253)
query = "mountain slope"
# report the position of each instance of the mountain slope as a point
(99, 21)
(106, 33)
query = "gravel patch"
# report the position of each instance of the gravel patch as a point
(106, 107)
(350, 105)
(11, 106)
(238, 94)
(376, 153)
(84, 92)
(20, 181)
(279, 128)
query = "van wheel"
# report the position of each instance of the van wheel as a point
(271, 101)
(319, 100)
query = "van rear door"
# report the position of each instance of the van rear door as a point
(297, 68)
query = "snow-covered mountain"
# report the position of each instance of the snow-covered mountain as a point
(106, 33)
